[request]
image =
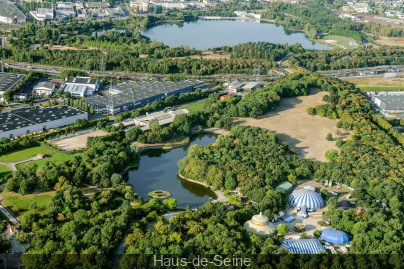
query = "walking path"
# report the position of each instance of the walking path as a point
(13, 166)
(5, 212)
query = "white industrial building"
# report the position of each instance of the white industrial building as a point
(45, 88)
(64, 9)
(81, 86)
(42, 14)
(18, 122)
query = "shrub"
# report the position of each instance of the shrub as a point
(317, 233)
(283, 229)
(329, 137)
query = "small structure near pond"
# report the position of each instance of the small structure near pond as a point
(159, 194)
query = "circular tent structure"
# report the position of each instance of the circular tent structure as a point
(334, 236)
(311, 199)
(260, 225)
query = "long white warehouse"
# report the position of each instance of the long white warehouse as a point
(23, 121)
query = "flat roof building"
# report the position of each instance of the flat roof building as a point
(18, 122)
(389, 101)
(8, 81)
(45, 88)
(81, 86)
(251, 86)
(97, 5)
(42, 14)
(284, 187)
(144, 121)
(235, 86)
(133, 94)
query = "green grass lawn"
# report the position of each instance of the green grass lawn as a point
(22, 202)
(58, 157)
(341, 40)
(193, 107)
(4, 170)
(380, 88)
(25, 154)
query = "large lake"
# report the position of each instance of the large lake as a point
(204, 34)
(158, 170)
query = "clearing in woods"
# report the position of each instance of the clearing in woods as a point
(79, 141)
(303, 132)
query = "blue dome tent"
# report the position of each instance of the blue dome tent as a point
(311, 199)
(334, 236)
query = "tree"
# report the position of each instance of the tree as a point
(283, 229)
(170, 204)
(317, 233)
(230, 183)
(92, 109)
(329, 137)
(33, 206)
(331, 155)
(116, 179)
(31, 103)
(133, 133)
(324, 193)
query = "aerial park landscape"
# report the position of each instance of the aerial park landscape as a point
(193, 134)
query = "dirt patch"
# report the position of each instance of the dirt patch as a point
(390, 41)
(303, 132)
(79, 141)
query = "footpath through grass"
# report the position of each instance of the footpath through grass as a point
(22, 202)
(58, 157)
(24, 154)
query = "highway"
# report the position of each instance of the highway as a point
(54, 71)
(377, 71)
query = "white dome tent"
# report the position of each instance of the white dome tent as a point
(260, 225)
(308, 198)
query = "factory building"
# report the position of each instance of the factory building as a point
(8, 81)
(45, 88)
(81, 86)
(388, 102)
(18, 122)
(133, 94)
(42, 14)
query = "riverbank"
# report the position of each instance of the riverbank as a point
(220, 197)
(167, 146)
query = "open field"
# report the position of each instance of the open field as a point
(377, 84)
(78, 142)
(22, 202)
(25, 154)
(58, 157)
(305, 133)
(335, 39)
(391, 41)
(4, 170)
(193, 107)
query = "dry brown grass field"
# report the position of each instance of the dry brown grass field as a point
(293, 125)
